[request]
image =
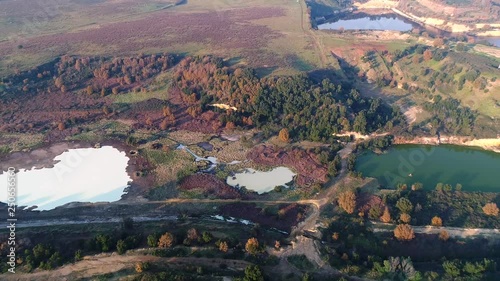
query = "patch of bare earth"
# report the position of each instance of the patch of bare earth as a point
(209, 185)
(411, 113)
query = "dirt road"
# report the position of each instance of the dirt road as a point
(110, 263)
(452, 231)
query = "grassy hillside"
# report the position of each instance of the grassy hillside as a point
(271, 35)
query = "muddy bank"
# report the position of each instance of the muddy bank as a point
(486, 144)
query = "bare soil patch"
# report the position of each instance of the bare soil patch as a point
(209, 185)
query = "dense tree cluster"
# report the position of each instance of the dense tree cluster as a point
(92, 74)
(449, 116)
(307, 109)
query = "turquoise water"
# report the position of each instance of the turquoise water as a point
(475, 169)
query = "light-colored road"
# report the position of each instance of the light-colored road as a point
(452, 231)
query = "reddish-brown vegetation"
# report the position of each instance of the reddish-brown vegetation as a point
(73, 91)
(366, 201)
(209, 185)
(306, 164)
(229, 29)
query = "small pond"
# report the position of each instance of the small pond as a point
(383, 22)
(80, 175)
(261, 182)
(494, 40)
(473, 168)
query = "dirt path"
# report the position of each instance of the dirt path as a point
(312, 35)
(452, 231)
(110, 263)
(302, 245)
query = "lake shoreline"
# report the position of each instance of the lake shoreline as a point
(43, 157)
(490, 144)
(410, 162)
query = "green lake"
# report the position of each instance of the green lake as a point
(473, 168)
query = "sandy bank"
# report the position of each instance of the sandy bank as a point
(487, 144)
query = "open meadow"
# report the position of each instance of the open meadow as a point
(264, 34)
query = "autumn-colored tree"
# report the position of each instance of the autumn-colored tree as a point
(335, 236)
(277, 245)
(347, 201)
(427, 55)
(166, 240)
(90, 90)
(115, 90)
(164, 124)
(103, 92)
(436, 221)
(438, 42)
(192, 234)
(386, 216)
(64, 89)
(252, 246)
(491, 209)
(149, 121)
(167, 112)
(59, 82)
(138, 267)
(230, 125)
(404, 232)
(443, 235)
(284, 135)
(416, 59)
(127, 80)
(405, 218)
(61, 126)
(78, 65)
(223, 247)
(194, 111)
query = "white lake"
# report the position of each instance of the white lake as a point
(80, 175)
(261, 182)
